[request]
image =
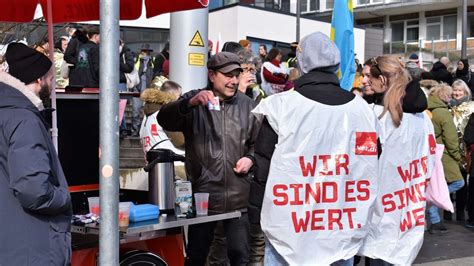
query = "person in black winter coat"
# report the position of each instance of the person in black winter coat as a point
(78, 37)
(440, 71)
(464, 73)
(127, 63)
(85, 72)
(160, 59)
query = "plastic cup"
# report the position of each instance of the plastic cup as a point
(94, 205)
(124, 214)
(202, 203)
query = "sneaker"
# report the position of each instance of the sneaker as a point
(469, 224)
(437, 228)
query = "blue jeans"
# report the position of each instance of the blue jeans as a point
(273, 258)
(123, 88)
(433, 211)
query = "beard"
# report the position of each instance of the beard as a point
(45, 93)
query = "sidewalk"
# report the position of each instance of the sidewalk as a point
(455, 247)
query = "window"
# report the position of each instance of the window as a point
(470, 25)
(366, 2)
(450, 27)
(329, 4)
(438, 28)
(397, 31)
(309, 5)
(412, 30)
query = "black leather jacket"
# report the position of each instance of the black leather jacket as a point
(215, 141)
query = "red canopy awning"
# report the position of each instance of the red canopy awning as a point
(86, 10)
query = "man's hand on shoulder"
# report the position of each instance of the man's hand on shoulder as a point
(202, 98)
(243, 165)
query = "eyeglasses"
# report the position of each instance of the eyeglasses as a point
(250, 69)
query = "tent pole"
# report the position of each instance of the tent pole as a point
(109, 132)
(54, 130)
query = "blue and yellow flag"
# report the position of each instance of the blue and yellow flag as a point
(342, 34)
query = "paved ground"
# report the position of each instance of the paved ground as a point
(455, 247)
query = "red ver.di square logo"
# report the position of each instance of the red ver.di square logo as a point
(366, 143)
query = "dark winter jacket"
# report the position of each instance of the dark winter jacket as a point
(469, 139)
(127, 63)
(465, 75)
(85, 72)
(316, 85)
(35, 204)
(78, 38)
(158, 63)
(215, 141)
(441, 74)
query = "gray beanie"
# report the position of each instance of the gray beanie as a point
(317, 51)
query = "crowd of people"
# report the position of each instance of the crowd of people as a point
(319, 174)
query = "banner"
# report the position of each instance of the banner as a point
(397, 226)
(322, 180)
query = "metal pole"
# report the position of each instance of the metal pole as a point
(447, 46)
(188, 48)
(420, 53)
(109, 134)
(464, 30)
(298, 15)
(54, 129)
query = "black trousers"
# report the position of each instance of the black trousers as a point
(462, 196)
(200, 238)
(470, 199)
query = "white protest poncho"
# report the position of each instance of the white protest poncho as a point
(322, 180)
(151, 133)
(397, 226)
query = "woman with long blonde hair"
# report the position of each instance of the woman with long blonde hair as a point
(404, 131)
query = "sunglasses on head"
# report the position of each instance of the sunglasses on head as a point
(376, 65)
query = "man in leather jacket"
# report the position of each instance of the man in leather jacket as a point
(219, 153)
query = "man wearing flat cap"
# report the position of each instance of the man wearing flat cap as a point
(219, 153)
(35, 204)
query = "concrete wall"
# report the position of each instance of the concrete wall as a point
(240, 22)
(373, 43)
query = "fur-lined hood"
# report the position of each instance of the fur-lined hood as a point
(154, 99)
(14, 100)
(428, 83)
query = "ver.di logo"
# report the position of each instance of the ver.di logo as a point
(204, 3)
(366, 143)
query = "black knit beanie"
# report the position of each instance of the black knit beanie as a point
(25, 63)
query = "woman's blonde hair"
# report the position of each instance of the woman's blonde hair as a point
(397, 79)
(460, 83)
(441, 91)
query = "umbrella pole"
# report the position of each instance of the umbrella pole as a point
(109, 132)
(54, 130)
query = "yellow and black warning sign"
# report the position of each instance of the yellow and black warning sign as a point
(196, 59)
(197, 40)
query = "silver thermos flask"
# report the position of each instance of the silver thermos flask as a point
(161, 177)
